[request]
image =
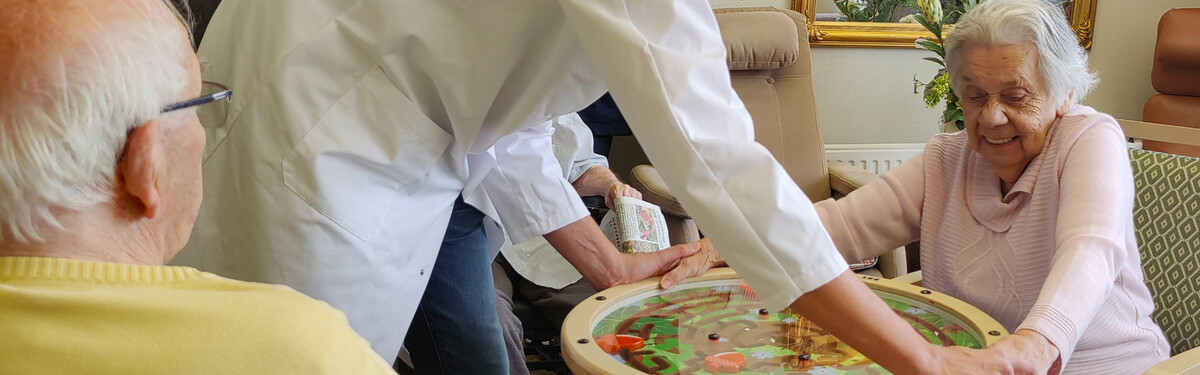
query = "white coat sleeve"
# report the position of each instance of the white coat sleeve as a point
(577, 137)
(527, 186)
(664, 63)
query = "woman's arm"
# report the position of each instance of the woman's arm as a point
(880, 216)
(1095, 210)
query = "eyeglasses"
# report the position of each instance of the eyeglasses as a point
(212, 116)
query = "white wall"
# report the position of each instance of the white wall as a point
(864, 95)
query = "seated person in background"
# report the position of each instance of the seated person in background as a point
(1028, 213)
(100, 187)
(534, 270)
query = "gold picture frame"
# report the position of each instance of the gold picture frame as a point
(902, 35)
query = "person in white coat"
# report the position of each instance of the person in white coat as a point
(360, 122)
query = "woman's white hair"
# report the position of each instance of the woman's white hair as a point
(1061, 60)
(75, 91)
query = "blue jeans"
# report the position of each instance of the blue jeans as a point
(456, 329)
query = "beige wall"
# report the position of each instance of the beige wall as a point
(864, 95)
(785, 4)
(1123, 51)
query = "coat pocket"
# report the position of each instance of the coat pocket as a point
(352, 164)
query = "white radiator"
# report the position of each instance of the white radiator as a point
(875, 158)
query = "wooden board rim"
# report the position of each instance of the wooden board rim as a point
(585, 357)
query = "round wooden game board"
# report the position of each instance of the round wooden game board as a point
(716, 324)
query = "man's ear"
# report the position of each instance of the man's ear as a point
(136, 173)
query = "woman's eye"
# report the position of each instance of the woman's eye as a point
(1016, 98)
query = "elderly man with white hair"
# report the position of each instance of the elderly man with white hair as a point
(100, 186)
(1028, 214)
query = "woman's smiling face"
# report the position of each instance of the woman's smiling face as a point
(1006, 107)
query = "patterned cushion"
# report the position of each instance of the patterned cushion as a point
(1167, 217)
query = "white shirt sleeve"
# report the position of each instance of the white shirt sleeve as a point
(573, 146)
(664, 62)
(527, 187)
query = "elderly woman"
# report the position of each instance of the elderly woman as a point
(1028, 213)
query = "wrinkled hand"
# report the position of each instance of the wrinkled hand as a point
(619, 190)
(1029, 352)
(694, 265)
(957, 360)
(640, 266)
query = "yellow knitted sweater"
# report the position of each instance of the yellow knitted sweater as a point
(60, 316)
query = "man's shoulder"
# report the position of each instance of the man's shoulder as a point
(270, 298)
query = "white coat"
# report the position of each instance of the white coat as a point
(356, 123)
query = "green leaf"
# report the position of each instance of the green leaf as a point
(936, 61)
(934, 28)
(952, 114)
(930, 45)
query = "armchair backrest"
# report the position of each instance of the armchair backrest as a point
(771, 67)
(1176, 76)
(1167, 216)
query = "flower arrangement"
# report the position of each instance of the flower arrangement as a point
(869, 10)
(938, 88)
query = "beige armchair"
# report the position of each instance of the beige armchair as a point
(770, 64)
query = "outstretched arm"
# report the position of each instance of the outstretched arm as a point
(525, 163)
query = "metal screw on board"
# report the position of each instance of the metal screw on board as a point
(926, 291)
(585, 341)
(601, 298)
(994, 333)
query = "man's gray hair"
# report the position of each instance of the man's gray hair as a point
(74, 92)
(1061, 60)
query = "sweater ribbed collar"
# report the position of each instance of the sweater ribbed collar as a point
(37, 268)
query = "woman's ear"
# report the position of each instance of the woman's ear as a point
(136, 173)
(1066, 105)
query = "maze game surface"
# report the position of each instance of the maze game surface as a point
(723, 328)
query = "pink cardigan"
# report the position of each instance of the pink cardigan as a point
(1056, 255)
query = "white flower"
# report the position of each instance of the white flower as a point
(932, 9)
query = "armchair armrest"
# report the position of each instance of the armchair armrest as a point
(654, 190)
(680, 226)
(894, 263)
(845, 178)
(913, 278)
(1186, 363)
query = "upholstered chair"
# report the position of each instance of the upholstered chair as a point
(1176, 76)
(771, 68)
(1167, 216)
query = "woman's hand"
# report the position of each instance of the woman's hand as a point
(1029, 350)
